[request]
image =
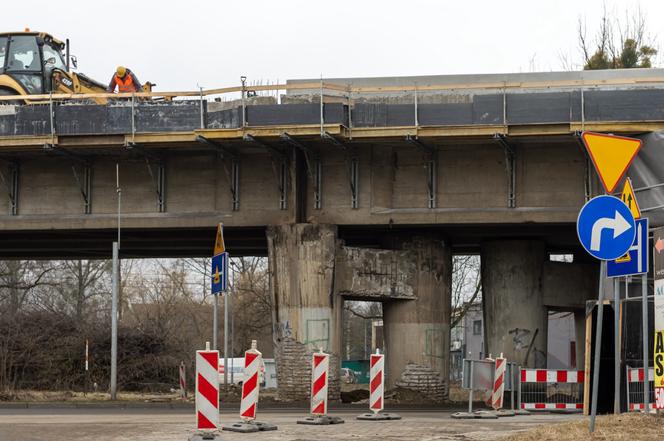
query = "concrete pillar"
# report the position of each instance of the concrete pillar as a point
(515, 318)
(307, 314)
(417, 332)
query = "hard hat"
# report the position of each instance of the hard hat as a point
(121, 71)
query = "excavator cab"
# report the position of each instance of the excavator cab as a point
(32, 63)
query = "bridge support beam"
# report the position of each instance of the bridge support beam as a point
(515, 317)
(417, 332)
(307, 315)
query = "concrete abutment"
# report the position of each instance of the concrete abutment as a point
(417, 332)
(306, 313)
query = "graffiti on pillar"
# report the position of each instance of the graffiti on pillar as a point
(318, 333)
(283, 329)
(433, 343)
(524, 341)
(521, 338)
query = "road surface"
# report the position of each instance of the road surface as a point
(46, 424)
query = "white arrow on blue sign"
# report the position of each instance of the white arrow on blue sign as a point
(219, 273)
(606, 227)
(635, 261)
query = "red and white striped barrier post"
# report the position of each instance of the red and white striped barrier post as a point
(207, 393)
(249, 402)
(320, 372)
(498, 392)
(183, 381)
(498, 383)
(377, 390)
(549, 376)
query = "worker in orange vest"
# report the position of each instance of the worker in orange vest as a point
(125, 80)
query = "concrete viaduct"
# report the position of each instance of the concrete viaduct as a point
(363, 194)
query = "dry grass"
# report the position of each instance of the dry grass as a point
(630, 427)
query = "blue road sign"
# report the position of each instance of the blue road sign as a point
(635, 261)
(606, 227)
(219, 273)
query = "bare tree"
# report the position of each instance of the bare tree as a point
(466, 285)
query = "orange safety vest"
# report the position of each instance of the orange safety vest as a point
(125, 84)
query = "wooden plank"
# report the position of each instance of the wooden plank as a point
(498, 85)
(20, 141)
(618, 127)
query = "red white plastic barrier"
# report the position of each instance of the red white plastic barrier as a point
(636, 375)
(499, 383)
(550, 377)
(320, 366)
(635, 386)
(183, 381)
(639, 406)
(207, 390)
(249, 402)
(376, 382)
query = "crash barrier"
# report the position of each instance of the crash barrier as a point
(249, 399)
(377, 390)
(320, 367)
(183, 381)
(480, 376)
(546, 389)
(634, 380)
(207, 390)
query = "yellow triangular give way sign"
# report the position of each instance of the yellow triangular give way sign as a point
(611, 156)
(219, 245)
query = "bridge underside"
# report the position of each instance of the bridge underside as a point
(251, 241)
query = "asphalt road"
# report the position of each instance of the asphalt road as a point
(47, 424)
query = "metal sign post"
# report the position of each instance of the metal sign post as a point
(607, 230)
(219, 279)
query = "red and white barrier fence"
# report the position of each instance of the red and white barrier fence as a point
(547, 389)
(320, 366)
(207, 390)
(635, 397)
(249, 402)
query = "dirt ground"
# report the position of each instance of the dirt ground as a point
(630, 427)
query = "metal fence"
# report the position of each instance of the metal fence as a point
(634, 380)
(542, 389)
(478, 375)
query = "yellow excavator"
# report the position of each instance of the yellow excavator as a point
(33, 63)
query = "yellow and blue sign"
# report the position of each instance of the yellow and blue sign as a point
(606, 227)
(635, 261)
(219, 273)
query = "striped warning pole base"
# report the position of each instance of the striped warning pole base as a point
(320, 372)
(376, 390)
(253, 361)
(207, 394)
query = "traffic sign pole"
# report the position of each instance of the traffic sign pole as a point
(598, 345)
(225, 339)
(616, 345)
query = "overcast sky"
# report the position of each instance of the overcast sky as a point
(180, 45)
